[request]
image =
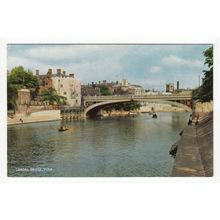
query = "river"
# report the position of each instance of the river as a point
(112, 147)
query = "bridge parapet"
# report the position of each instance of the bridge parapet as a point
(178, 97)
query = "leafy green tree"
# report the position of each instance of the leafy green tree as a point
(21, 77)
(127, 106)
(51, 96)
(12, 96)
(105, 90)
(131, 106)
(205, 92)
(17, 79)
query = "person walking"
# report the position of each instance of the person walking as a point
(197, 119)
(190, 120)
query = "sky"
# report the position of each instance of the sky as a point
(151, 66)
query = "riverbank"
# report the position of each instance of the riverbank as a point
(194, 155)
(42, 116)
(122, 113)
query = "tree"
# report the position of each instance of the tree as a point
(17, 79)
(21, 77)
(12, 96)
(105, 90)
(127, 106)
(205, 92)
(50, 95)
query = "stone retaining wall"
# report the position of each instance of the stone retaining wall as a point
(195, 150)
(204, 107)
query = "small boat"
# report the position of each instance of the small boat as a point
(63, 129)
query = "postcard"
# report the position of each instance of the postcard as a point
(110, 110)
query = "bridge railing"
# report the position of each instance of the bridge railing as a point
(136, 97)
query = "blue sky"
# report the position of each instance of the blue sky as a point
(151, 66)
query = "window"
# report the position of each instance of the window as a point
(64, 93)
(61, 85)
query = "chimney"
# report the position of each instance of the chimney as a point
(177, 85)
(49, 72)
(59, 72)
(71, 75)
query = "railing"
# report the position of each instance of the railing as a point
(136, 97)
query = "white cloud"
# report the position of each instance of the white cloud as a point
(155, 69)
(72, 52)
(86, 71)
(105, 69)
(14, 61)
(178, 61)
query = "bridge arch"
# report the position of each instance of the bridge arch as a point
(97, 106)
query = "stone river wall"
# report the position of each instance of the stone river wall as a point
(194, 155)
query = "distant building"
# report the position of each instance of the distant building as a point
(125, 83)
(136, 90)
(152, 93)
(170, 87)
(90, 90)
(116, 88)
(125, 88)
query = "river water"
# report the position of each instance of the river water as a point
(114, 147)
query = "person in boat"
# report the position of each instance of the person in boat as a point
(154, 115)
(62, 128)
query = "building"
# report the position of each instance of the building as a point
(90, 90)
(115, 88)
(170, 87)
(23, 101)
(24, 97)
(67, 86)
(45, 80)
(125, 88)
(136, 90)
(125, 83)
